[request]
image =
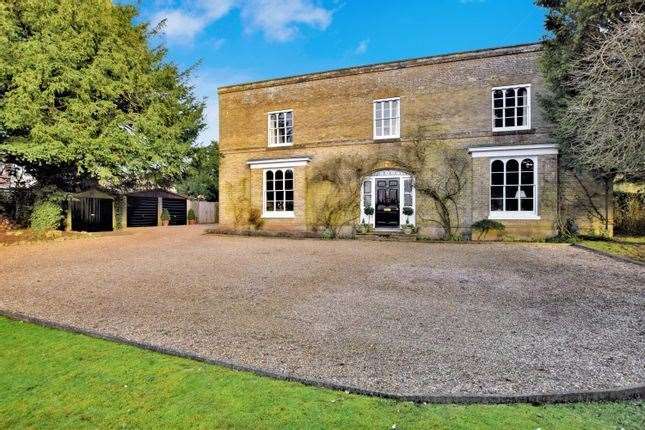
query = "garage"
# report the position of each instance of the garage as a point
(144, 208)
(177, 209)
(92, 211)
(142, 211)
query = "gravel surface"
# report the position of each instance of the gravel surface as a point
(406, 318)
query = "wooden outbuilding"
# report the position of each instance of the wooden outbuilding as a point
(91, 210)
(144, 208)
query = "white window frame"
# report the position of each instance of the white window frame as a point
(519, 214)
(527, 116)
(274, 213)
(270, 142)
(397, 118)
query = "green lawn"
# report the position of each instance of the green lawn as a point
(632, 247)
(51, 378)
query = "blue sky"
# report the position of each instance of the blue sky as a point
(243, 40)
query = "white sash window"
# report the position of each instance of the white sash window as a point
(281, 128)
(511, 108)
(387, 118)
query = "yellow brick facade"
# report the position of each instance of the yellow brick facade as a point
(449, 96)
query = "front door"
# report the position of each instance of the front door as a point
(386, 213)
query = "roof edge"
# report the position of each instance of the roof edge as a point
(389, 65)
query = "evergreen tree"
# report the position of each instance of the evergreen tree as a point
(84, 98)
(593, 66)
(202, 177)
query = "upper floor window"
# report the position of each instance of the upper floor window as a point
(281, 128)
(387, 118)
(512, 108)
(513, 188)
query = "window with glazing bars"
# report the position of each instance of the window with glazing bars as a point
(511, 108)
(281, 128)
(387, 118)
(278, 190)
(512, 186)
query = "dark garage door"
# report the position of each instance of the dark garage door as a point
(142, 211)
(91, 214)
(177, 209)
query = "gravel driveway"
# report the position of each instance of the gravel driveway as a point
(406, 318)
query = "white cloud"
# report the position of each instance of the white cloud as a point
(362, 46)
(278, 20)
(184, 23)
(179, 26)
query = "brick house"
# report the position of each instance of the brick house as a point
(485, 103)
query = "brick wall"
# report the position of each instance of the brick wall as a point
(449, 97)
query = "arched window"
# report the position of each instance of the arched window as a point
(278, 192)
(513, 188)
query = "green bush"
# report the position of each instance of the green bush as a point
(191, 214)
(328, 233)
(485, 226)
(46, 215)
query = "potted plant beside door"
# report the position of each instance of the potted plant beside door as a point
(407, 227)
(165, 217)
(369, 211)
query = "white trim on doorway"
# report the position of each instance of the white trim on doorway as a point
(388, 174)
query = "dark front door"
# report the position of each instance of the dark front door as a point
(387, 203)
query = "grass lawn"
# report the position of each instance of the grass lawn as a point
(51, 378)
(632, 247)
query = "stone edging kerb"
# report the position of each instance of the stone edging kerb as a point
(627, 393)
(609, 254)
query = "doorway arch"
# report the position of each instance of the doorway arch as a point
(388, 192)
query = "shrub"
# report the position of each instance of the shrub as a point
(165, 215)
(328, 233)
(629, 213)
(47, 215)
(363, 228)
(485, 226)
(191, 214)
(255, 218)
